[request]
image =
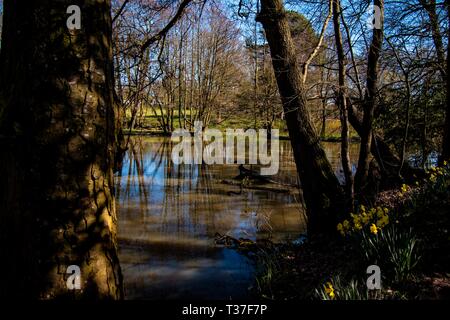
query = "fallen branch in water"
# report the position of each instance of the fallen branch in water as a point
(263, 187)
(241, 244)
(253, 175)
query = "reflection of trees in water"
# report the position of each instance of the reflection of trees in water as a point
(187, 207)
(186, 200)
(332, 151)
(135, 177)
(139, 163)
(204, 188)
(177, 195)
(132, 180)
(169, 202)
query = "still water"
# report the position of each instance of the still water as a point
(169, 216)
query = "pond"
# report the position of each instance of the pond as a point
(169, 215)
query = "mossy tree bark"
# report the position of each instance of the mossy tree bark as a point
(57, 134)
(324, 197)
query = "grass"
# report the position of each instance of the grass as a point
(268, 272)
(149, 124)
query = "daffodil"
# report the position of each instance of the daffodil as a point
(380, 212)
(374, 228)
(340, 228)
(365, 218)
(346, 224)
(356, 220)
(329, 290)
(381, 223)
(404, 188)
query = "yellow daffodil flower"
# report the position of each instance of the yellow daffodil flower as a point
(329, 290)
(373, 229)
(346, 224)
(404, 188)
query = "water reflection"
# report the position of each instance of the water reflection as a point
(169, 214)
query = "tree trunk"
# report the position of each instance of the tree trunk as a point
(387, 160)
(57, 134)
(323, 128)
(342, 104)
(446, 140)
(321, 190)
(430, 8)
(369, 104)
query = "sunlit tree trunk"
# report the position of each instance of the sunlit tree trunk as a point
(322, 193)
(57, 129)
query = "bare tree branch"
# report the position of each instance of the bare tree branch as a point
(120, 10)
(319, 44)
(184, 4)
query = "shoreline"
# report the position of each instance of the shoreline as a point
(151, 133)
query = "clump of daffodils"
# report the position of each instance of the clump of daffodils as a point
(373, 219)
(435, 172)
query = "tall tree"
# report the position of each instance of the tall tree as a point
(370, 101)
(342, 101)
(57, 134)
(430, 7)
(446, 139)
(389, 163)
(321, 190)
